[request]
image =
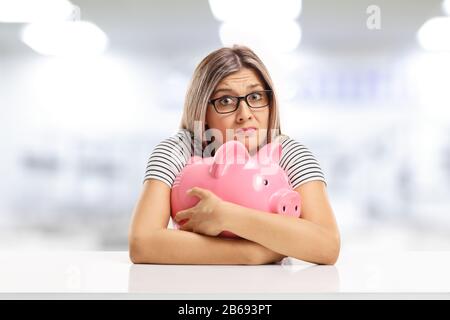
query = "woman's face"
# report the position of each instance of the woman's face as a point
(240, 83)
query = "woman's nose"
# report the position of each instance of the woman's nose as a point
(243, 112)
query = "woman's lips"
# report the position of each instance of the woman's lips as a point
(246, 131)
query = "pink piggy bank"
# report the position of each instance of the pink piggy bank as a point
(256, 182)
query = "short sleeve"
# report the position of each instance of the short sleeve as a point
(169, 157)
(299, 163)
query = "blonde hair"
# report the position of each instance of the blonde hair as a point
(207, 75)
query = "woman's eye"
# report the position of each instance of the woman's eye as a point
(226, 101)
(255, 96)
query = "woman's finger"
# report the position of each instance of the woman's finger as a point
(186, 226)
(198, 192)
(181, 215)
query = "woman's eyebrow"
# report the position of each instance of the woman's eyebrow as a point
(222, 89)
(253, 85)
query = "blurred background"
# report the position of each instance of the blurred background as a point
(88, 88)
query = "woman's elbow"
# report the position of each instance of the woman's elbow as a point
(143, 248)
(132, 251)
(328, 252)
(332, 254)
(135, 250)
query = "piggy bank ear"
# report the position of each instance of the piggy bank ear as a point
(270, 153)
(230, 153)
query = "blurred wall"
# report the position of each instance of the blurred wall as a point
(75, 134)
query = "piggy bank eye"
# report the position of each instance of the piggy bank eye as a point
(265, 182)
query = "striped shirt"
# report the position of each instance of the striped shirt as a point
(171, 155)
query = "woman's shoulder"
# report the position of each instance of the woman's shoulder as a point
(287, 142)
(298, 161)
(180, 136)
(291, 146)
(176, 147)
(168, 157)
(181, 140)
(281, 138)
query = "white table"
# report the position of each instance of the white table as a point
(54, 274)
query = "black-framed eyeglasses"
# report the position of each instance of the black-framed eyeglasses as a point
(255, 100)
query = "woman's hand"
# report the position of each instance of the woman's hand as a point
(205, 217)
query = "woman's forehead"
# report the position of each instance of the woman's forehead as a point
(244, 77)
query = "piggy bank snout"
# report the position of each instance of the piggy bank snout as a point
(286, 202)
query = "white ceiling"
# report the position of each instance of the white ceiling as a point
(162, 27)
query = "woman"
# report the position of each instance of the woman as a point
(231, 96)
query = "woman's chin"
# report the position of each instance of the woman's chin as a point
(251, 144)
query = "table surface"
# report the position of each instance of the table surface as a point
(112, 272)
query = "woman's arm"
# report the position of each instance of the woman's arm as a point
(314, 237)
(168, 246)
(151, 242)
